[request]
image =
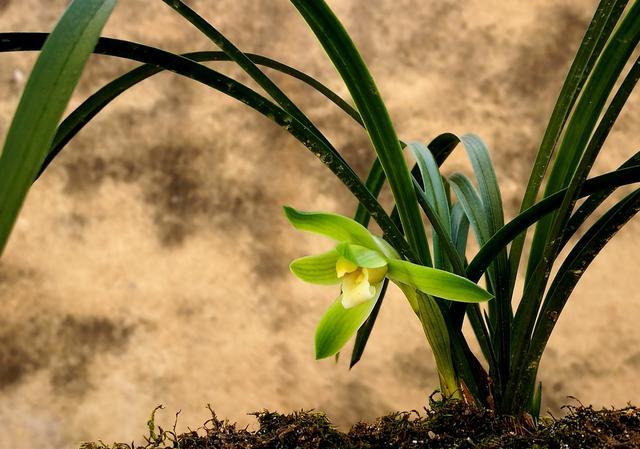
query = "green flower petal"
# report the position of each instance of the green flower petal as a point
(361, 256)
(337, 227)
(338, 325)
(319, 269)
(436, 282)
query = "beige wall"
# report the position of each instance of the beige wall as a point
(149, 265)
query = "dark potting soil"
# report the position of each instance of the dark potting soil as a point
(445, 425)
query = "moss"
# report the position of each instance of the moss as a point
(448, 424)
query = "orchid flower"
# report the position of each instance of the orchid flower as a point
(359, 264)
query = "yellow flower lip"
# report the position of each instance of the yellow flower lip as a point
(359, 284)
(344, 266)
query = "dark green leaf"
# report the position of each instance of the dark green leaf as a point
(45, 97)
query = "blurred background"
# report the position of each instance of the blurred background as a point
(149, 264)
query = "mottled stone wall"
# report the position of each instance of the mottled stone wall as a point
(149, 265)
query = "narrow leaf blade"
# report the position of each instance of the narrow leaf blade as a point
(46, 95)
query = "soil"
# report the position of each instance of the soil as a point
(149, 263)
(450, 425)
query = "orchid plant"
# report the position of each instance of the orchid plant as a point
(360, 263)
(432, 269)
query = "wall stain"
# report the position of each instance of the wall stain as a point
(633, 361)
(416, 367)
(63, 344)
(355, 401)
(543, 59)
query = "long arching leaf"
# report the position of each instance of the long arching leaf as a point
(45, 97)
(84, 113)
(604, 20)
(245, 64)
(555, 229)
(617, 178)
(570, 272)
(492, 207)
(224, 84)
(582, 122)
(592, 203)
(355, 74)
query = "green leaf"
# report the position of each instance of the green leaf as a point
(474, 209)
(432, 181)
(569, 273)
(82, 115)
(436, 197)
(441, 147)
(445, 245)
(246, 64)
(436, 282)
(500, 312)
(334, 226)
(353, 70)
(361, 256)
(242, 93)
(581, 125)
(459, 229)
(338, 325)
(45, 97)
(554, 233)
(318, 269)
(623, 176)
(602, 23)
(591, 204)
(487, 181)
(472, 204)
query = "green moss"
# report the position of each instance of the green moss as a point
(450, 424)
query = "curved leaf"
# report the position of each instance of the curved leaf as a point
(604, 20)
(436, 197)
(583, 120)
(501, 313)
(444, 239)
(569, 273)
(246, 64)
(45, 97)
(592, 202)
(226, 85)
(84, 113)
(617, 178)
(348, 61)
